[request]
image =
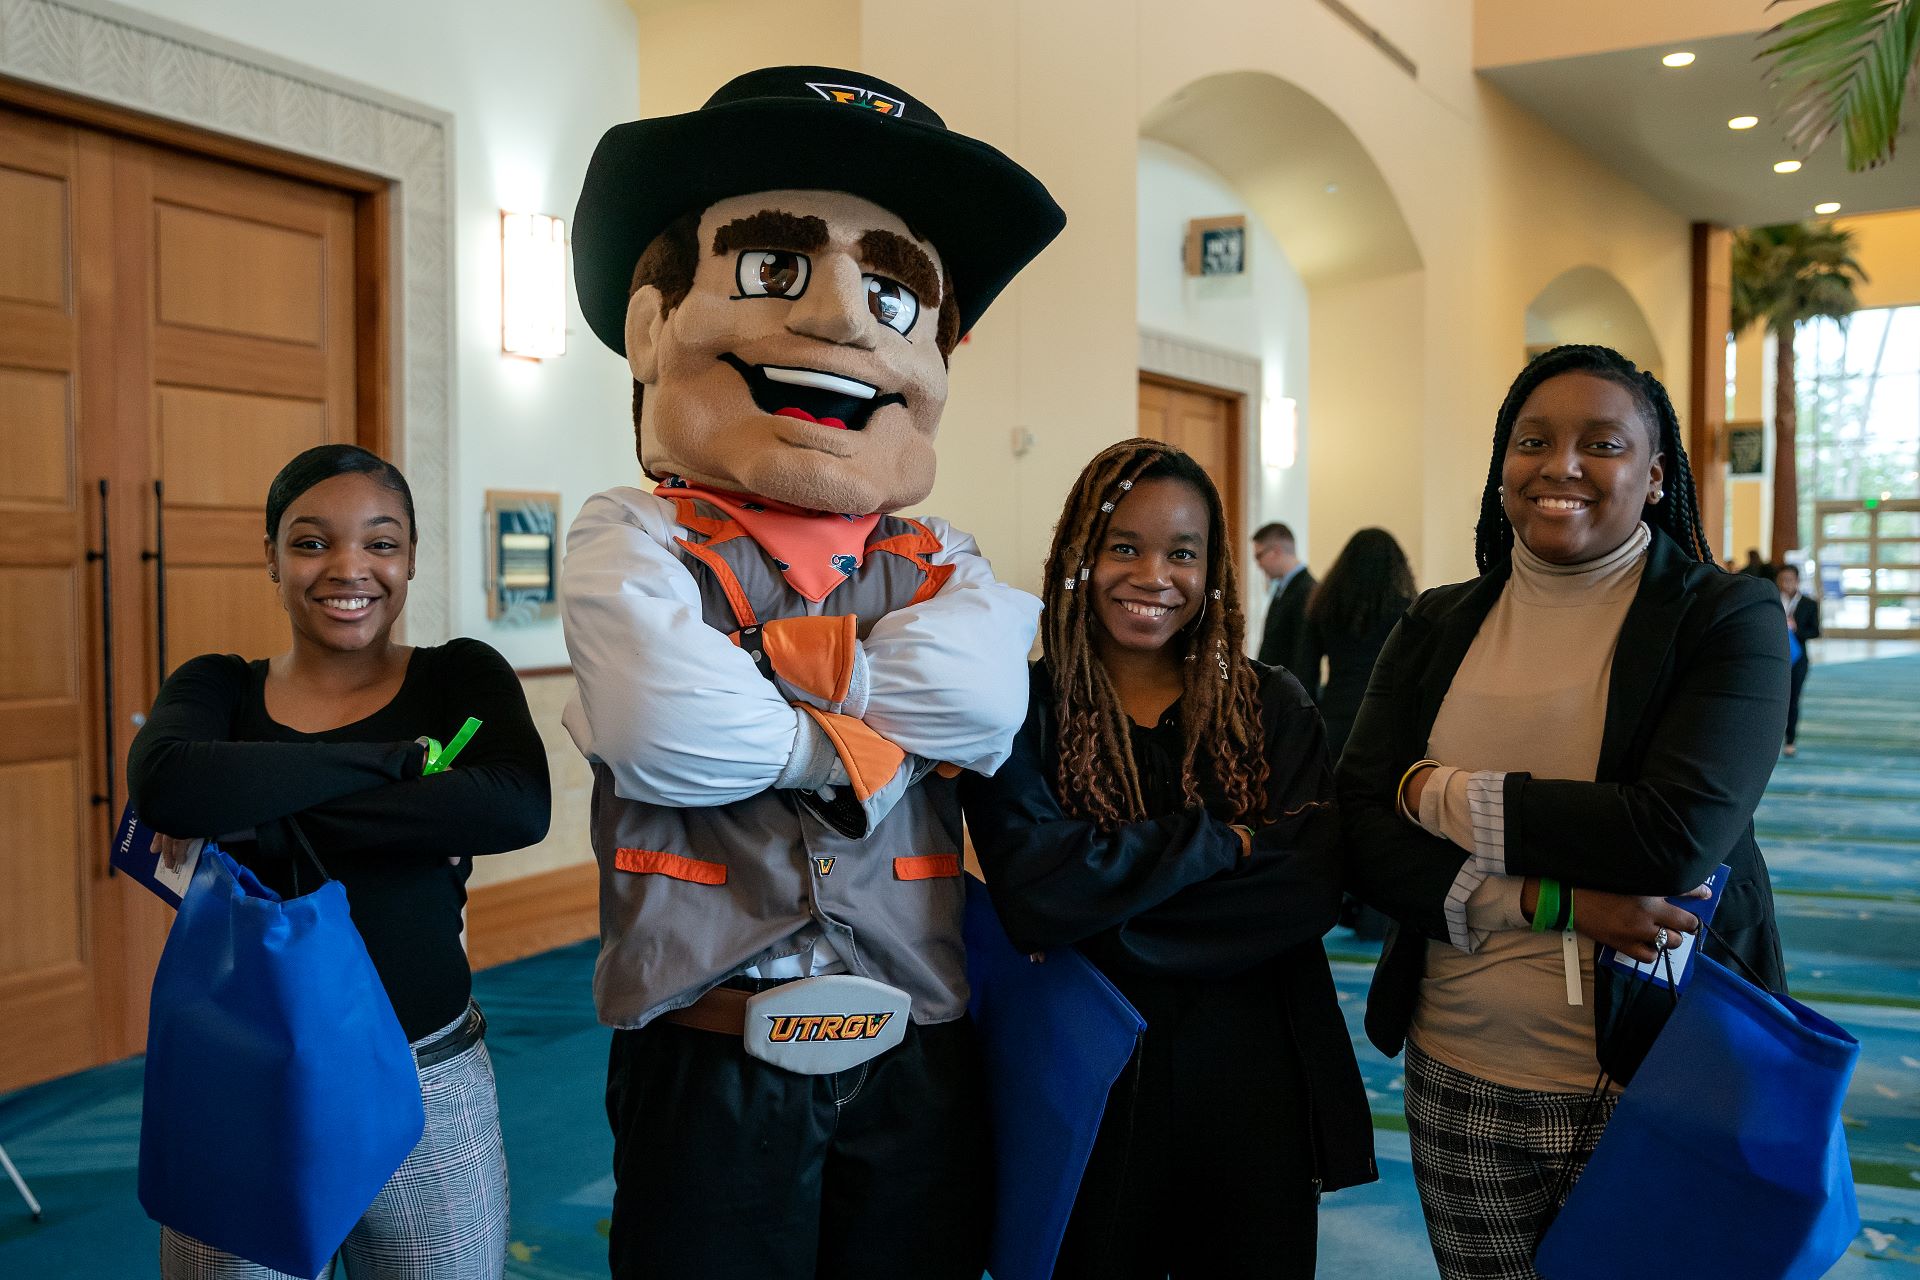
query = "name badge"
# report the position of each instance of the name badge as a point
(817, 1026)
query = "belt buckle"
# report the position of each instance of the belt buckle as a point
(818, 1026)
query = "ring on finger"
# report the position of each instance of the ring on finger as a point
(1660, 938)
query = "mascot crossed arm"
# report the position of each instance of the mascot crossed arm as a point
(779, 675)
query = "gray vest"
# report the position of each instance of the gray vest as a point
(690, 896)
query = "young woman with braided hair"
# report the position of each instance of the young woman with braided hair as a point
(1544, 756)
(1168, 809)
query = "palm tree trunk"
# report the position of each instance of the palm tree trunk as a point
(1786, 461)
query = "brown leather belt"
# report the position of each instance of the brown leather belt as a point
(722, 1010)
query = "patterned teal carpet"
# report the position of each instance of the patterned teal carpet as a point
(1841, 830)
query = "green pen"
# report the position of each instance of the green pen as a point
(439, 758)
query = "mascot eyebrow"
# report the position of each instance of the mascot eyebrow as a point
(898, 257)
(772, 229)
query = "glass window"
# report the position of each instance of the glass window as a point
(1859, 398)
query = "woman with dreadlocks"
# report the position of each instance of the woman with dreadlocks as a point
(1168, 809)
(1546, 755)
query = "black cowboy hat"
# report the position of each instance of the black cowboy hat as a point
(815, 129)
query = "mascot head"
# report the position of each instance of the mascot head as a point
(787, 270)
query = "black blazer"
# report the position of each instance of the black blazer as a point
(1696, 706)
(1349, 657)
(1806, 621)
(1286, 621)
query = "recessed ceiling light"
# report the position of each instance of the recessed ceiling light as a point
(1827, 206)
(1681, 59)
(1743, 122)
(1786, 166)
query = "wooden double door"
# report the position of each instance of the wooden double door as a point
(1204, 422)
(173, 328)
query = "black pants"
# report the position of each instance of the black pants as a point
(726, 1168)
(1796, 678)
(1203, 1168)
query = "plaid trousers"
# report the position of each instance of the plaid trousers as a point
(1488, 1160)
(443, 1214)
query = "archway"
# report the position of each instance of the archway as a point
(1333, 309)
(1587, 304)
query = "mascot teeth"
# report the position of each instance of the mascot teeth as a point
(824, 381)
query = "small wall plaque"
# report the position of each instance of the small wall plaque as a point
(1746, 449)
(1217, 246)
(523, 555)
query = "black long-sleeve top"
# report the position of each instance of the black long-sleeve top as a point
(210, 762)
(1194, 935)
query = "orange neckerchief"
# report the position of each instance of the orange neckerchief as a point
(816, 551)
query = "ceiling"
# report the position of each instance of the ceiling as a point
(1665, 129)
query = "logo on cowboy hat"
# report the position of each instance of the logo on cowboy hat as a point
(854, 96)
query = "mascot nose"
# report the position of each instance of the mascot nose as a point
(834, 307)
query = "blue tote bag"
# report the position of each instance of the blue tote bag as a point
(281, 1093)
(1728, 1143)
(1055, 1036)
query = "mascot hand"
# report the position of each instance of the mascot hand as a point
(816, 661)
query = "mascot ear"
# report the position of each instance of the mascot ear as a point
(644, 320)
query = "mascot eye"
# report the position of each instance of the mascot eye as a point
(771, 273)
(892, 303)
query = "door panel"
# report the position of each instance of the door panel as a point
(252, 361)
(237, 276)
(250, 436)
(37, 407)
(163, 318)
(1205, 425)
(48, 992)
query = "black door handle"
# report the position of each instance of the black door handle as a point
(159, 558)
(105, 561)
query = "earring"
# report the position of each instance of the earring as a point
(1502, 491)
(1657, 495)
(274, 574)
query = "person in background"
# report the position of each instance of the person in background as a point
(1168, 809)
(1350, 615)
(1290, 585)
(331, 736)
(1803, 624)
(1755, 567)
(1546, 754)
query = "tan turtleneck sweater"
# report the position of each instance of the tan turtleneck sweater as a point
(1530, 695)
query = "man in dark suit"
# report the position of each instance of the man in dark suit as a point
(1291, 583)
(1803, 624)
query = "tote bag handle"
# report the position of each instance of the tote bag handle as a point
(305, 847)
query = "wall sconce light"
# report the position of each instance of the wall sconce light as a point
(533, 285)
(1279, 432)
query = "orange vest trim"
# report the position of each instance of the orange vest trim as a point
(870, 759)
(729, 583)
(927, 866)
(646, 862)
(713, 528)
(813, 654)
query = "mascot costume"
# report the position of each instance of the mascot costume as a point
(779, 677)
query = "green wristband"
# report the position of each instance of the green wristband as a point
(1564, 922)
(439, 758)
(1547, 907)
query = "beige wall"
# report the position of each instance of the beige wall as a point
(1506, 31)
(689, 48)
(566, 841)
(1498, 204)
(1887, 246)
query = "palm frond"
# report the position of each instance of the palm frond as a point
(1846, 64)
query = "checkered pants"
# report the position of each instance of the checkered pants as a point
(1487, 1160)
(443, 1214)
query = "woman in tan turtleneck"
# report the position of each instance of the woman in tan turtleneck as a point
(1544, 756)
